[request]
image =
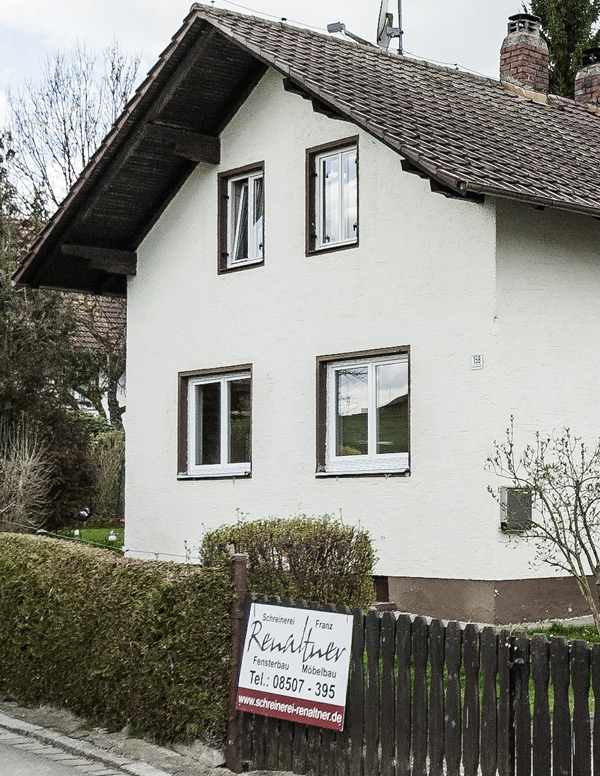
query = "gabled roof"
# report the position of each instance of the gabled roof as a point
(469, 134)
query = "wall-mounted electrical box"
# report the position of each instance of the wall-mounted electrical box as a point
(515, 509)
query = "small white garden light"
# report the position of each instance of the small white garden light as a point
(112, 538)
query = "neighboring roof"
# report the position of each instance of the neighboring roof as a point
(100, 321)
(469, 134)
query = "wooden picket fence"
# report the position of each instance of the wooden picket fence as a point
(427, 698)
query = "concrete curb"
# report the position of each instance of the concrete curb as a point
(79, 748)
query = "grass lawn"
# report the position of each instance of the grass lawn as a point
(95, 535)
(569, 632)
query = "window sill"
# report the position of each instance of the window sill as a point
(216, 476)
(363, 473)
(332, 248)
(241, 265)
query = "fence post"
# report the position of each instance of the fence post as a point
(233, 750)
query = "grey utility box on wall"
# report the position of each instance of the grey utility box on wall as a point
(515, 505)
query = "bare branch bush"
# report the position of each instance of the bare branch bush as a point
(108, 460)
(25, 477)
(562, 473)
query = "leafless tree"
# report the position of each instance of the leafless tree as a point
(58, 121)
(563, 476)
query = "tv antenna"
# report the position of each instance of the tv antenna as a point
(341, 27)
(386, 31)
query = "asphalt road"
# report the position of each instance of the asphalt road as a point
(21, 756)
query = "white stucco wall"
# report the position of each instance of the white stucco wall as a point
(548, 316)
(423, 275)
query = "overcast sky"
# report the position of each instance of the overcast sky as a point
(466, 32)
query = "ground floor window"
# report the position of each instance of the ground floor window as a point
(215, 423)
(363, 412)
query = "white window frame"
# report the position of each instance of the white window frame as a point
(372, 462)
(320, 242)
(232, 233)
(222, 469)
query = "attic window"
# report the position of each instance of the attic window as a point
(241, 218)
(332, 196)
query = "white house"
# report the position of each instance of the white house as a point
(345, 271)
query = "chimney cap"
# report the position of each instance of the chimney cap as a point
(591, 56)
(524, 22)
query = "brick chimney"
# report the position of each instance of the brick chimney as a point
(524, 54)
(587, 81)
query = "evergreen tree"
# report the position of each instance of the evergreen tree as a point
(569, 27)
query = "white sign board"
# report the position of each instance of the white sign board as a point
(295, 665)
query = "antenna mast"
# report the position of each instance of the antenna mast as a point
(386, 31)
(400, 30)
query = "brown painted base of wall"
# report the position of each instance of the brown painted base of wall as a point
(500, 603)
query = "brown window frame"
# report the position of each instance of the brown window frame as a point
(183, 379)
(223, 179)
(323, 363)
(311, 195)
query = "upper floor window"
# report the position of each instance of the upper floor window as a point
(241, 217)
(215, 415)
(333, 196)
(364, 413)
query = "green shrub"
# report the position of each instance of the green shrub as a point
(121, 642)
(314, 558)
(108, 454)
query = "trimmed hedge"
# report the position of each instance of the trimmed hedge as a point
(122, 642)
(314, 558)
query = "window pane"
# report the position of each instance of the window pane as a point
(239, 219)
(349, 195)
(208, 410)
(392, 408)
(256, 235)
(352, 402)
(239, 420)
(330, 173)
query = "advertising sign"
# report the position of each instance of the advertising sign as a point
(295, 665)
